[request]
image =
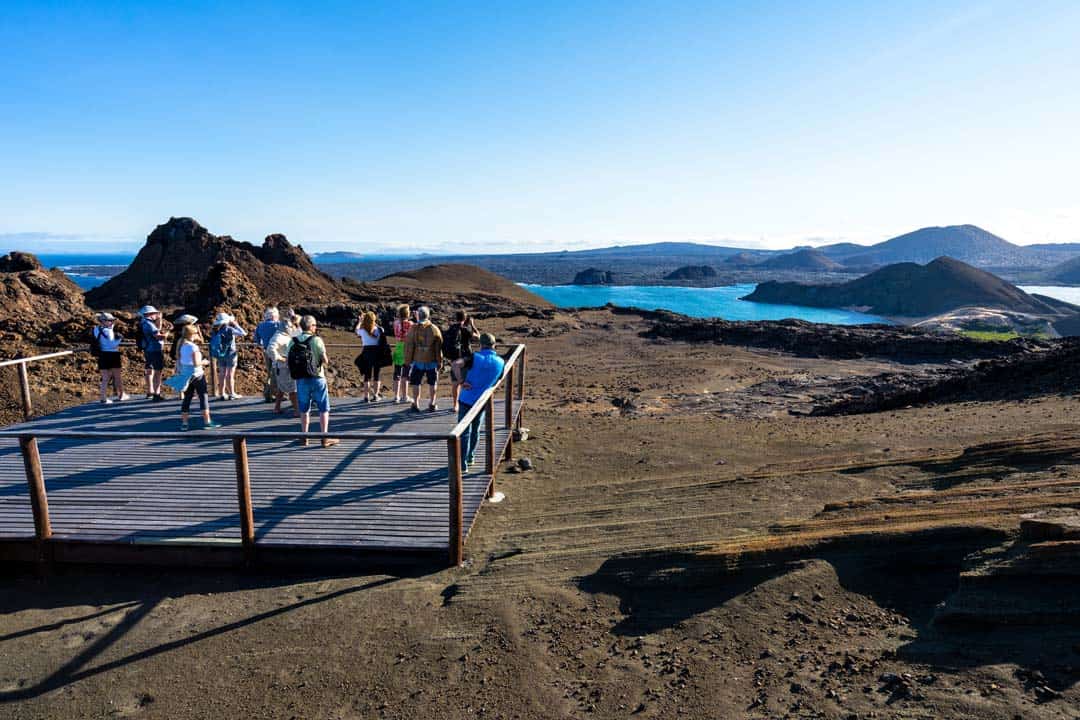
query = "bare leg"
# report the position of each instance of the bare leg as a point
(105, 384)
(295, 404)
(414, 395)
(149, 374)
(432, 392)
(118, 382)
(155, 382)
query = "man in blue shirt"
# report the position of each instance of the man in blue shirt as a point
(153, 351)
(263, 332)
(484, 372)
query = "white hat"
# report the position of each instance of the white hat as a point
(186, 320)
(147, 310)
(105, 317)
(223, 318)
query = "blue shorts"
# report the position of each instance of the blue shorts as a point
(229, 361)
(155, 359)
(312, 390)
(422, 371)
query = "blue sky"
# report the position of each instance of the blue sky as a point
(527, 126)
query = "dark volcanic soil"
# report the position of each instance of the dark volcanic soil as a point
(605, 585)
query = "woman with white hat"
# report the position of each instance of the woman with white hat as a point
(223, 351)
(105, 344)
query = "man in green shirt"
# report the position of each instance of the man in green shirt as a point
(311, 390)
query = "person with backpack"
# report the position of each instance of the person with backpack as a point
(277, 352)
(149, 339)
(485, 369)
(457, 347)
(105, 346)
(307, 365)
(190, 378)
(370, 360)
(423, 351)
(402, 325)
(178, 334)
(223, 351)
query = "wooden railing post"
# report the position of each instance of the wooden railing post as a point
(453, 461)
(39, 501)
(509, 405)
(243, 496)
(521, 391)
(24, 391)
(489, 430)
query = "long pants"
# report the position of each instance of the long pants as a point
(471, 435)
(197, 385)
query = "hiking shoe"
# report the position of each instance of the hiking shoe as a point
(157, 398)
(211, 425)
(414, 408)
(330, 442)
(432, 408)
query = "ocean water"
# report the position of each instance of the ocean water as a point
(67, 261)
(1068, 294)
(720, 302)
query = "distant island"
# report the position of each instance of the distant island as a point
(593, 276)
(910, 290)
(692, 272)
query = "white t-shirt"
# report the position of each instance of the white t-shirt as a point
(369, 338)
(188, 353)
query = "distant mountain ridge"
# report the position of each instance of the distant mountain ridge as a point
(912, 290)
(809, 259)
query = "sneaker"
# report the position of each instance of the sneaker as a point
(330, 442)
(414, 408)
(211, 425)
(376, 398)
(432, 407)
(236, 396)
(149, 396)
(157, 398)
(184, 427)
(364, 399)
(223, 397)
(106, 401)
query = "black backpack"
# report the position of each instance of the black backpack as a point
(453, 347)
(95, 342)
(302, 359)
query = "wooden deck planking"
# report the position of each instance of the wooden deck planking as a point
(380, 494)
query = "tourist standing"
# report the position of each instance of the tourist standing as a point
(423, 351)
(457, 347)
(224, 351)
(178, 334)
(402, 325)
(105, 343)
(485, 369)
(369, 361)
(264, 331)
(191, 379)
(149, 340)
(278, 354)
(307, 365)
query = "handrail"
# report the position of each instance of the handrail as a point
(35, 358)
(211, 434)
(481, 402)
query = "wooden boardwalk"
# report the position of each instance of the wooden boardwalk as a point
(178, 497)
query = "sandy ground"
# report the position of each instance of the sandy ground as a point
(589, 592)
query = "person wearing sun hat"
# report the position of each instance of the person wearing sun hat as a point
(149, 339)
(485, 369)
(105, 345)
(224, 352)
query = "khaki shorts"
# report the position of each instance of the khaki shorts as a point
(283, 381)
(457, 370)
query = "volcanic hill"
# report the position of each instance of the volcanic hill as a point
(968, 243)
(39, 305)
(172, 268)
(692, 272)
(911, 290)
(462, 279)
(808, 259)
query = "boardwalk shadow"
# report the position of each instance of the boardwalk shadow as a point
(121, 600)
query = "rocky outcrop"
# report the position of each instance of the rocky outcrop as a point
(173, 265)
(594, 276)
(692, 273)
(910, 290)
(37, 305)
(799, 337)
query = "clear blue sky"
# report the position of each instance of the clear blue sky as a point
(521, 126)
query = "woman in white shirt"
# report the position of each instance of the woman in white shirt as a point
(109, 360)
(371, 336)
(189, 361)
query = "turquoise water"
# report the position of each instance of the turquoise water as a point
(721, 302)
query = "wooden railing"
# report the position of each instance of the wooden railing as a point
(514, 397)
(24, 377)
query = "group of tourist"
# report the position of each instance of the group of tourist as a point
(296, 361)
